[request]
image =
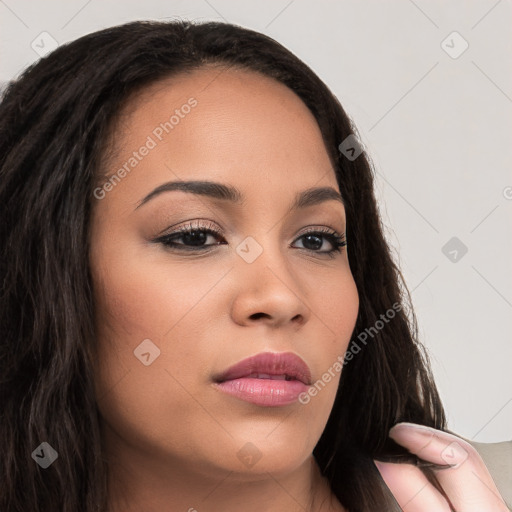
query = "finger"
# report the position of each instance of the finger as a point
(466, 481)
(411, 489)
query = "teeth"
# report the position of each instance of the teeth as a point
(271, 377)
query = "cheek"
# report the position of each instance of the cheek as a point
(337, 308)
(343, 306)
(137, 302)
(134, 304)
(337, 313)
(141, 297)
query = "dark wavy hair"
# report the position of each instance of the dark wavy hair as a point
(55, 132)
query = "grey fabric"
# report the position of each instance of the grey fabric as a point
(498, 459)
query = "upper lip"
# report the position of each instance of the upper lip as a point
(271, 363)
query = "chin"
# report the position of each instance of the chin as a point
(273, 449)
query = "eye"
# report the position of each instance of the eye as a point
(312, 239)
(193, 237)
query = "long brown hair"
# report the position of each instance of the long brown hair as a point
(55, 120)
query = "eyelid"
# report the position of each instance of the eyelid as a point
(195, 224)
(189, 225)
(321, 228)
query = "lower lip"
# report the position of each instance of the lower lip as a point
(264, 392)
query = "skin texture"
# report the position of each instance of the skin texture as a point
(173, 440)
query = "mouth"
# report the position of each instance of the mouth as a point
(267, 379)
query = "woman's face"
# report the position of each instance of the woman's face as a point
(170, 320)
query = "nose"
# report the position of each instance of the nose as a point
(268, 292)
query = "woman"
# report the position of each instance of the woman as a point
(181, 326)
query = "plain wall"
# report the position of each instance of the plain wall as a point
(437, 127)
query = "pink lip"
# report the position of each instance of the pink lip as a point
(271, 388)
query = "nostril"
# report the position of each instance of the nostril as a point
(256, 316)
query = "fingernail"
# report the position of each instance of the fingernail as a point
(404, 428)
(414, 426)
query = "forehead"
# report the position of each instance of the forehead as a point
(228, 101)
(218, 87)
(243, 128)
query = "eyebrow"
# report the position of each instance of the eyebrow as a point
(309, 197)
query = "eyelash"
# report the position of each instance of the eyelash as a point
(337, 241)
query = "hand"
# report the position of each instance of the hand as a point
(465, 481)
